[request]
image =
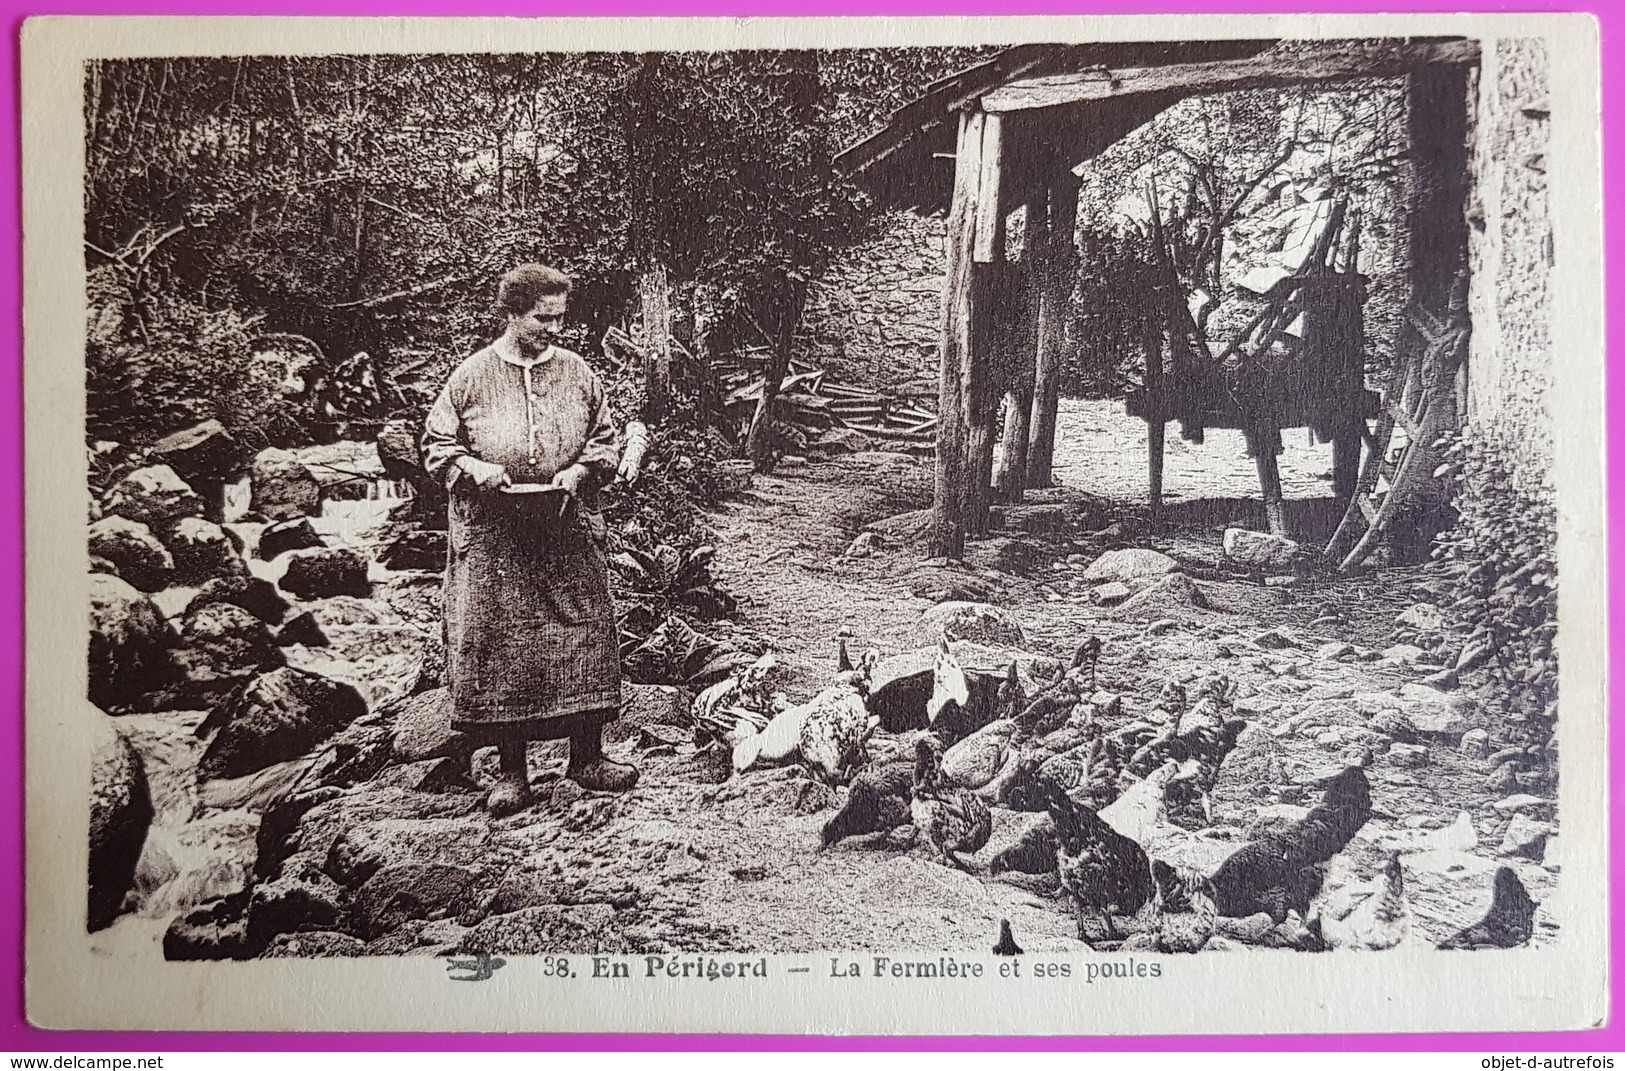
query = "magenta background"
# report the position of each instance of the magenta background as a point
(17, 1035)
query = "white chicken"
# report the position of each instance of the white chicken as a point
(1141, 812)
(837, 708)
(1370, 915)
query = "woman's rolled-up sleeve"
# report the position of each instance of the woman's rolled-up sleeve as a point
(443, 439)
(602, 453)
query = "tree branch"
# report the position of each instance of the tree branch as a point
(399, 295)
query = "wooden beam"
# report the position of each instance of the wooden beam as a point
(989, 205)
(1268, 71)
(1056, 270)
(949, 490)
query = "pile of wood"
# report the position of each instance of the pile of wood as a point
(816, 400)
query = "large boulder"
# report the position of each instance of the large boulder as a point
(323, 574)
(1168, 597)
(202, 551)
(974, 621)
(154, 496)
(363, 850)
(259, 597)
(120, 814)
(302, 631)
(133, 551)
(219, 640)
(283, 536)
(397, 894)
(1260, 550)
(1129, 564)
(279, 716)
(282, 487)
(130, 643)
(422, 726)
(582, 929)
(205, 456)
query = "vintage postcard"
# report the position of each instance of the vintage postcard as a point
(1066, 525)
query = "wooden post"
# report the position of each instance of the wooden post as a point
(1056, 270)
(981, 399)
(1264, 443)
(1156, 427)
(949, 491)
(1022, 356)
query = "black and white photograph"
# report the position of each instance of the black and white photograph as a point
(1093, 508)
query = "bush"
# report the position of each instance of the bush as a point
(1497, 572)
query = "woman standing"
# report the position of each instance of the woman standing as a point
(530, 631)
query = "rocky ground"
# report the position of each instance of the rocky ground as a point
(367, 843)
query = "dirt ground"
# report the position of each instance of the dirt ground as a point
(692, 861)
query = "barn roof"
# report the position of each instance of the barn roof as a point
(1066, 103)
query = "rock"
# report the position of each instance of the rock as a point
(153, 496)
(1035, 520)
(202, 550)
(1003, 554)
(1260, 550)
(1277, 639)
(532, 931)
(837, 441)
(422, 726)
(302, 897)
(364, 850)
(134, 552)
(259, 597)
(565, 795)
(1111, 594)
(974, 621)
(526, 885)
(1444, 679)
(1254, 764)
(322, 574)
(1404, 652)
(1459, 836)
(648, 704)
(1475, 743)
(130, 643)
(1438, 721)
(422, 549)
(1408, 756)
(1520, 802)
(1331, 652)
(120, 814)
(1423, 617)
(1525, 838)
(219, 640)
(318, 944)
(903, 528)
(863, 545)
(1282, 581)
(1131, 563)
(282, 487)
(215, 931)
(1164, 598)
(1503, 780)
(431, 665)
(201, 454)
(279, 716)
(396, 894)
(279, 538)
(1394, 724)
(302, 631)
(1372, 703)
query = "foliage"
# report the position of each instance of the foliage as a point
(1497, 569)
(1109, 337)
(662, 581)
(675, 652)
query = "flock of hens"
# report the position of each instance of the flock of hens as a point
(1123, 797)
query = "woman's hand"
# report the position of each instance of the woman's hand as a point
(570, 478)
(486, 476)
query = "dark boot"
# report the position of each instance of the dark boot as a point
(511, 793)
(588, 767)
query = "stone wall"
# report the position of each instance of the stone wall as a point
(874, 319)
(1509, 369)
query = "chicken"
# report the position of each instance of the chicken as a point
(1207, 746)
(963, 701)
(976, 760)
(1103, 871)
(1051, 708)
(1211, 708)
(1181, 913)
(834, 732)
(1170, 705)
(1033, 853)
(1372, 916)
(878, 802)
(952, 819)
(1281, 870)
(840, 712)
(740, 704)
(1140, 813)
(1007, 941)
(1509, 923)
